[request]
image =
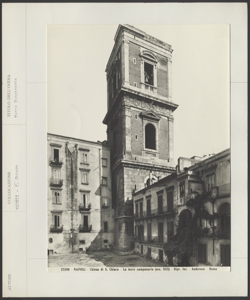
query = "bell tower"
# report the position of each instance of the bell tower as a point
(139, 121)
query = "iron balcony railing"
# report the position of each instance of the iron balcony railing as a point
(156, 212)
(149, 240)
(224, 189)
(104, 206)
(56, 182)
(55, 161)
(56, 229)
(223, 233)
(155, 240)
(83, 228)
(83, 207)
(139, 238)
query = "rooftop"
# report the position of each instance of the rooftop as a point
(143, 35)
(103, 143)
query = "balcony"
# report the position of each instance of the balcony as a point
(55, 162)
(83, 228)
(156, 212)
(83, 207)
(223, 233)
(149, 89)
(139, 238)
(224, 189)
(55, 229)
(155, 240)
(149, 240)
(56, 182)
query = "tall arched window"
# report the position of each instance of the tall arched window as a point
(150, 136)
(224, 212)
(114, 142)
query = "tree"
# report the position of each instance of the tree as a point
(188, 229)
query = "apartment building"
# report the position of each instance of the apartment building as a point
(80, 213)
(155, 210)
(162, 208)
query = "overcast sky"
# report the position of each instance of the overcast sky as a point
(77, 93)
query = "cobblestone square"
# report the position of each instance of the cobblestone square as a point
(100, 259)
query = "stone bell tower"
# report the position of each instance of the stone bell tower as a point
(139, 121)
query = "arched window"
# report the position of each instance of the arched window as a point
(150, 137)
(114, 142)
(224, 212)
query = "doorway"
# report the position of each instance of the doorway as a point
(85, 222)
(185, 260)
(149, 252)
(161, 255)
(225, 255)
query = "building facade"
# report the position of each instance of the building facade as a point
(139, 121)
(163, 206)
(80, 213)
(213, 175)
(155, 210)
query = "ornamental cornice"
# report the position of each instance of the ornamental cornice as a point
(163, 101)
(144, 165)
(150, 115)
(147, 106)
(55, 145)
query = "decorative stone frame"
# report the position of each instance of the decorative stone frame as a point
(56, 213)
(153, 177)
(150, 118)
(82, 152)
(149, 58)
(54, 146)
(56, 190)
(87, 194)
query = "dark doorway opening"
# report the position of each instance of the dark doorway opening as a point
(161, 255)
(225, 255)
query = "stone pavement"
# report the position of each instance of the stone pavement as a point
(73, 260)
(100, 259)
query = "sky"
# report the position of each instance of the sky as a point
(77, 93)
